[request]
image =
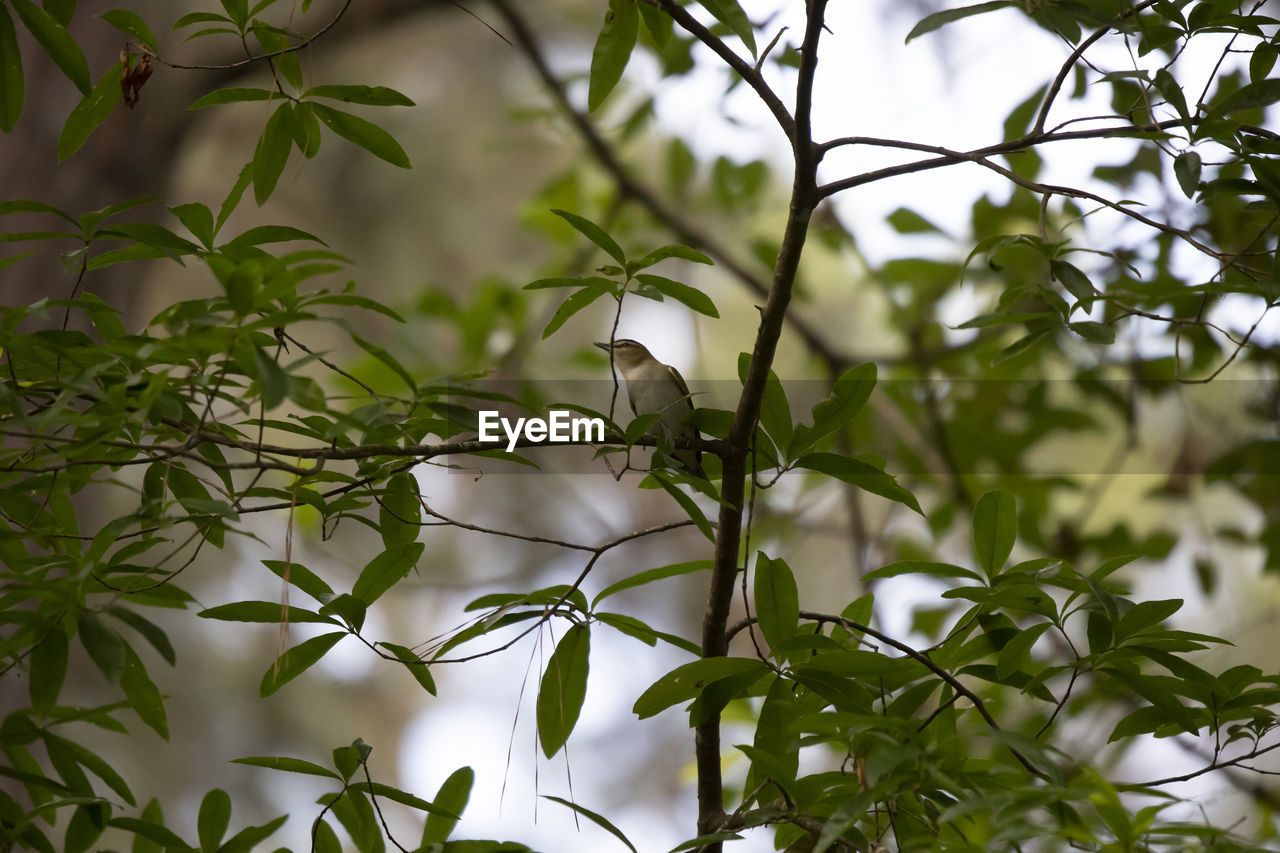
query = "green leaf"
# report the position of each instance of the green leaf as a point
(686, 503)
(272, 380)
(92, 111)
(378, 96)
(12, 82)
(399, 511)
(921, 567)
(862, 474)
(777, 601)
(906, 221)
(1250, 96)
(231, 96)
(296, 661)
(594, 233)
(849, 394)
(132, 24)
(48, 669)
(213, 819)
(384, 570)
(388, 359)
(232, 200)
(270, 612)
(149, 830)
(106, 648)
(729, 13)
(563, 689)
(1186, 168)
(453, 796)
(671, 251)
(1097, 333)
(947, 16)
(612, 50)
(142, 694)
(287, 765)
(96, 765)
(1076, 282)
(301, 577)
(995, 527)
(572, 305)
(417, 668)
(198, 219)
(151, 632)
(651, 575)
(598, 820)
(364, 133)
(1018, 648)
(682, 293)
(57, 42)
(646, 634)
(272, 153)
(248, 838)
(690, 680)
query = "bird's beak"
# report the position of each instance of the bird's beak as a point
(604, 346)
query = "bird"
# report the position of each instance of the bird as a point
(656, 387)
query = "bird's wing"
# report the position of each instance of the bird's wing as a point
(680, 383)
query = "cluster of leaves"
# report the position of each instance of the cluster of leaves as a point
(126, 453)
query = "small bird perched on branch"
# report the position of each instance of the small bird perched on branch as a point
(656, 387)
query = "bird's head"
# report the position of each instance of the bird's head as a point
(626, 352)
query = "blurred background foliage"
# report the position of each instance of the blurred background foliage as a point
(1051, 350)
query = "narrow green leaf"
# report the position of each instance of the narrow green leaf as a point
(729, 13)
(598, 820)
(594, 233)
(862, 474)
(143, 695)
(384, 570)
(92, 111)
(691, 297)
(96, 765)
(453, 796)
(364, 133)
(777, 601)
(643, 632)
(48, 669)
(12, 82)
(150, 632)
(688, 681)
(921, 567)
(563, 689)
(995, 527)
(301, 577)
(1018, 648)
(149, 830)
(296, 661)
(132, 24)
(947, 16)
(57, 42)
(232, 200)
(269, 612)
(248, 838)
(674, 250)
(572, 305)
(272, 153)
(848, 395)
(272, 234)
(388, 359)
(649, 576)
(287, 765)
(106, 648)
(612, 50)
(378, 96)
(907, 221)
(420, 671)
(213, 819)
(273, 382)
(686, 503)
(231, 96)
